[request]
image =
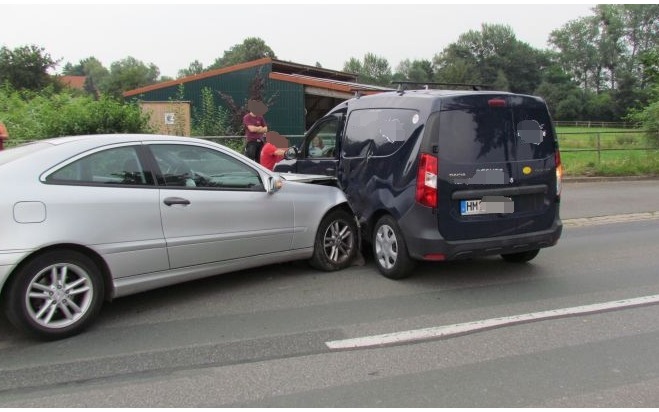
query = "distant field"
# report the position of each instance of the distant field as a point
(601, 151)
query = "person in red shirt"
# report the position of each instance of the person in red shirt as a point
(273, 150)
(4, 135)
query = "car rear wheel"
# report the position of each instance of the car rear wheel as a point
(336, 242)
(520, 257)
(390, 251)
(55, 295)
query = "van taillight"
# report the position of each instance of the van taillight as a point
(426, 180)
(496, 103)
(559, 171)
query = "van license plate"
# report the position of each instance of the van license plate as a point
(489, 204)
(471, 207)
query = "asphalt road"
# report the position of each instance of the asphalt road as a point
(261, 338)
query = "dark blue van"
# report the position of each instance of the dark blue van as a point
(439, 175)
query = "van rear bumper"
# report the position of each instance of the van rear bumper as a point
(428, 244)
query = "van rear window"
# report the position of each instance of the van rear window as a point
(495, 134)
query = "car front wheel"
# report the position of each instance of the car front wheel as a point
(390, 251)
(55, 295)
(335, 246)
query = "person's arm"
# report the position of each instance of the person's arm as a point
(247, 121)
(257, 129)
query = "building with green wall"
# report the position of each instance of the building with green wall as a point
(297, 95)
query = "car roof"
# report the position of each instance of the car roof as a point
(102, 139)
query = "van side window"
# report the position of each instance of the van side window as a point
(322, 142)
(378, 132)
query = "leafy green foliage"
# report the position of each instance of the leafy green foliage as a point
(38, 115)
(128, 74)
(196, 67)
(252, 48)
(492, 56)
(210, 119)
(26, 68)
(372, 70)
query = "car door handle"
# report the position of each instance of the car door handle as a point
(330, 170)
(176, 201)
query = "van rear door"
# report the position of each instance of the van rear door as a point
(497, 166)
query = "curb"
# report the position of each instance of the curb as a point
(588, 179)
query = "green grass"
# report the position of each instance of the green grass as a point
(622, 152)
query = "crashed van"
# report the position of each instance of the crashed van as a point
(438, 175)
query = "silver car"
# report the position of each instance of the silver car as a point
(85, 219)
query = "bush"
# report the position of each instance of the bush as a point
(45, 114)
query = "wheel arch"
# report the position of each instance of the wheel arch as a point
(90, 253)
(345, 206)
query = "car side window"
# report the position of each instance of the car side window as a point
(202, 167)
(119, 165)
(322, 141)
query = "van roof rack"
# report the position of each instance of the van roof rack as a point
(402, 83)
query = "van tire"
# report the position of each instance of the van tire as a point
(520, 257)
(389, 250)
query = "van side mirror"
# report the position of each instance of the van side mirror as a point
(291, 153)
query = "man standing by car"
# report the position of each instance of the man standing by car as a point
(255, 129)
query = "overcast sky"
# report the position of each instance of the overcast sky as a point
(171, 36)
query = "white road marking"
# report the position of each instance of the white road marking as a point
(602, 220)
(480, 325)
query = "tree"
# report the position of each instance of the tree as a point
(93, 69)
(649, 116)
(456, 70)
(641, 31)
(556, 86)
(491, 56)
(196, 67)
(129, 74)
(416, 71)
(576, 51)
(26, 67)
(252, 48)
(373, 69)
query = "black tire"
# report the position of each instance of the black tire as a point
(336, 245)
(55, 295)
(520, 257)
(390, 251)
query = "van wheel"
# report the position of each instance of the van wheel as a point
(55, 295)
(389, 250)
(336, 242)
(520, 257)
